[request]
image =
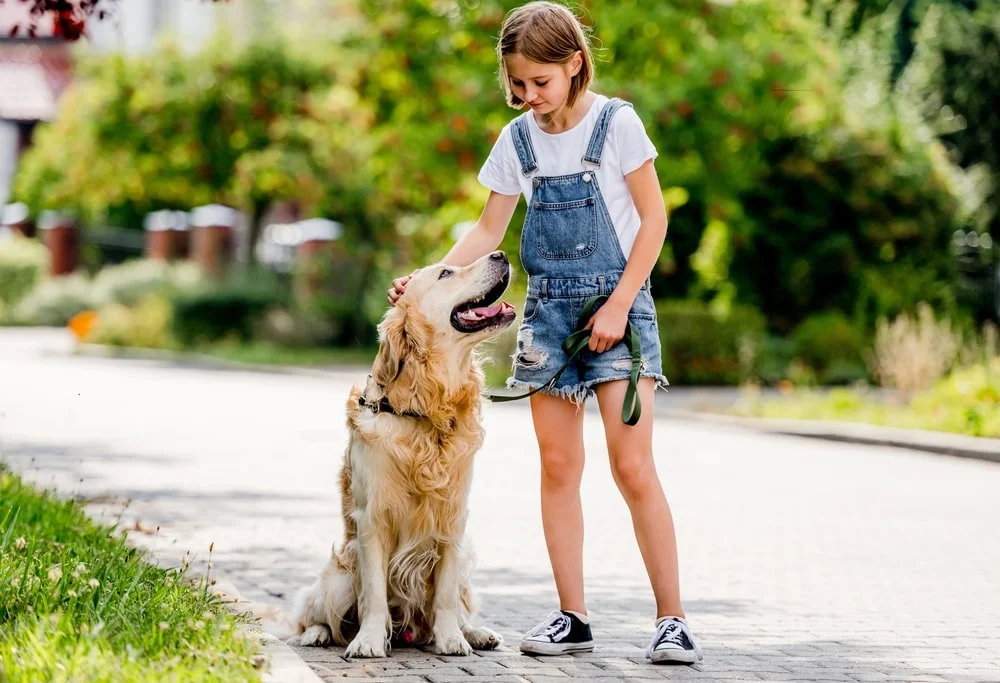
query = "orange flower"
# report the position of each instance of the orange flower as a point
(82, 324)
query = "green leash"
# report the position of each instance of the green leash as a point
(577, 342)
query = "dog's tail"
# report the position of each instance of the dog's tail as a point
(332, 601)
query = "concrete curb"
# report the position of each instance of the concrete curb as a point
(942, 443)
(285, 664)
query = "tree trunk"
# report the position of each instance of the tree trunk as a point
(248, 245)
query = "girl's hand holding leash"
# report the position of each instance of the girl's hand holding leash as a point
(607, 325)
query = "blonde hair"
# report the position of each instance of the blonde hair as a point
(546, 33)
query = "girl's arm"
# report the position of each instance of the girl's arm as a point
(647, 196)
(484, 237)
(644, 187)
(487, 234)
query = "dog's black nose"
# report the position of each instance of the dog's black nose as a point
(498, 256)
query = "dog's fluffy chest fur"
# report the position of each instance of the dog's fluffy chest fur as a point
(418, 485)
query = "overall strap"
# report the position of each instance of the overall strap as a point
(596, 147)
(522, 143)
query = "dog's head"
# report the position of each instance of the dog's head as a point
(434, 327)
(461, 304)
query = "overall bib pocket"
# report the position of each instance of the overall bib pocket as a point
(565, 230)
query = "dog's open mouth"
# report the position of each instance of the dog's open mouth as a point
(484, 311)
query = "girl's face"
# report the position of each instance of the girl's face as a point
(543, 87)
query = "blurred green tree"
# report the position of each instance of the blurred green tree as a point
(780, 194)
(956, 77)
(242, 125)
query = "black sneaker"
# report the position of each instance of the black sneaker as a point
(673, 642)
(560, 634)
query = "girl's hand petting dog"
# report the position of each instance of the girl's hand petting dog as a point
(398, 288)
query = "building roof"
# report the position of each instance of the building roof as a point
(33, 74)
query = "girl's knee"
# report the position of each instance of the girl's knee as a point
(635, 475)
(561, 466)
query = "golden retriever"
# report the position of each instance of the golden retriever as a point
(403, 569)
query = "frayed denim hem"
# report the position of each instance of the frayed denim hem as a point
(578, 393)
(660, 381)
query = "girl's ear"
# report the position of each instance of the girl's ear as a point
(575, 63)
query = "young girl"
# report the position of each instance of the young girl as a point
(595, 226)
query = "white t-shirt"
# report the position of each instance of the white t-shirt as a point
(626, 148)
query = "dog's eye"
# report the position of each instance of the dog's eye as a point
(444, 273)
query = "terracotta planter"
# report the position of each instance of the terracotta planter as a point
(17, 219)
(318, 236)
(166, 235)
(61, 234)
(213, 230)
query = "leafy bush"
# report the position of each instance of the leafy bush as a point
(55, 301)
(701, 347)
(22, 266)
(130, 282)
(773, 361)
(859, 221)
(967, 401)
(326, 289)
(843, 371)
(954, 77)
(145, 325)
(234, 308)
(831, 345)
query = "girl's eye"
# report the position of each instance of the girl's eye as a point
(542, 85)
(444, 273)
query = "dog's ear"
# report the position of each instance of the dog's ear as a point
(404, 334)
(394, 347)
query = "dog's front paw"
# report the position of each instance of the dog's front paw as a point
(450, 642)
(316, 635)
(366, 644)
(482, 638)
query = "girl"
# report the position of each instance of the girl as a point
(595, 226)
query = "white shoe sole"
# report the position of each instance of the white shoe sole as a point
(677, 656)
(532, 647)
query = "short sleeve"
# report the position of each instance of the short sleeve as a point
(634, 145)
(499, 172)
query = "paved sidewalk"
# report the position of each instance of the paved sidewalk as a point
(801, 559)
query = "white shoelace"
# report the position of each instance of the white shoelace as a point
(557, 622)
(668, 631)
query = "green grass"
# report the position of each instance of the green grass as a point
(965, 402)
(263, 353)
(78, 604)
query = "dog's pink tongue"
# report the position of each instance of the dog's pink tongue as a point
(487, 311)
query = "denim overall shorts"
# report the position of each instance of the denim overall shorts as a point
(571, 253)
